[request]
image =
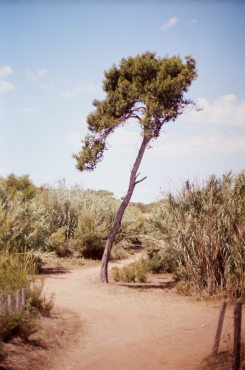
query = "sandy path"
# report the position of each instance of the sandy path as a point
(131, 328)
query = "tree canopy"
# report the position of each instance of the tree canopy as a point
(148, 88)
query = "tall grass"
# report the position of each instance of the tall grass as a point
(52, 217)
(205, 228)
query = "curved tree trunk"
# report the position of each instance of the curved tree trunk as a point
(117, 223)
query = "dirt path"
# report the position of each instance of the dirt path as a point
(132, 327)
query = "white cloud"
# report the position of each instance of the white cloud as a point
(193, 21)
(225, 110)
(122, 139)
(172, 22)
(5, 71)
(29, 110)
(39, 75)
(170, 145)
(74, 139)
(42, 72)
(82, 87)
(6, 86)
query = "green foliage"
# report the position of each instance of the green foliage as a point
(205, 228)
(14, 272)
(96, 219)
(63, 207)
(118, 253)
(163, 261)
(135, 271)
(23, 225)
(116, 273)
(148, 88)
(23, 184)
(90, 234)
(36, 301)
(18, 324)
(57, 242)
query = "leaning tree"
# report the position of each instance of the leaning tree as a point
(149, 89)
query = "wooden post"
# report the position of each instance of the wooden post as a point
(237, 335)
(18, 300)
(219, 328)
(10, 303)
(1, 305)
(23, 299)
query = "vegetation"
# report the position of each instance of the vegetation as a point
(136, 271)
(204, 229)
(16, 272)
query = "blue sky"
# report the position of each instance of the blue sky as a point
(52, 58)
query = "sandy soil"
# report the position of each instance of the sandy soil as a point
(134, 326)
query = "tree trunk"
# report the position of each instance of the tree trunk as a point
(117, 223)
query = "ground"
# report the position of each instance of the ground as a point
(121, 326)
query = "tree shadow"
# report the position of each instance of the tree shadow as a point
(146, 286)
(54, 270)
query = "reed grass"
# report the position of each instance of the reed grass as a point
(204, 224)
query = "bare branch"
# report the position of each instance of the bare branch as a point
(136, 182)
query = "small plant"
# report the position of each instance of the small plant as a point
(131, 252)
(78, 255)
(131, 272)
(141, 271)
(81, 263)
(36, 301)
(18, 324)
(116, 273)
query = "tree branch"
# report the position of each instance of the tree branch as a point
(136, 182)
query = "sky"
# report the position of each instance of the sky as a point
(53, 55)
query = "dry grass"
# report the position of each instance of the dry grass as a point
(58, 332)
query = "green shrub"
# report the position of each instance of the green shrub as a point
(163, 261)
(17, 324)
(118, 253)
(90, 234)
(141, 271)
(128, 273)
(23, 225)
(57, 242)
(36, 301)
(116, 273)
(14, 272)
(131, 272)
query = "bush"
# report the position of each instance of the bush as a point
(17, 324)
(58, 244)
(163, 261)
(118, 253)
(131, 272)
(90, 235)
(23, 225)
(36, 301)
(116, 273)
(14, 272)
